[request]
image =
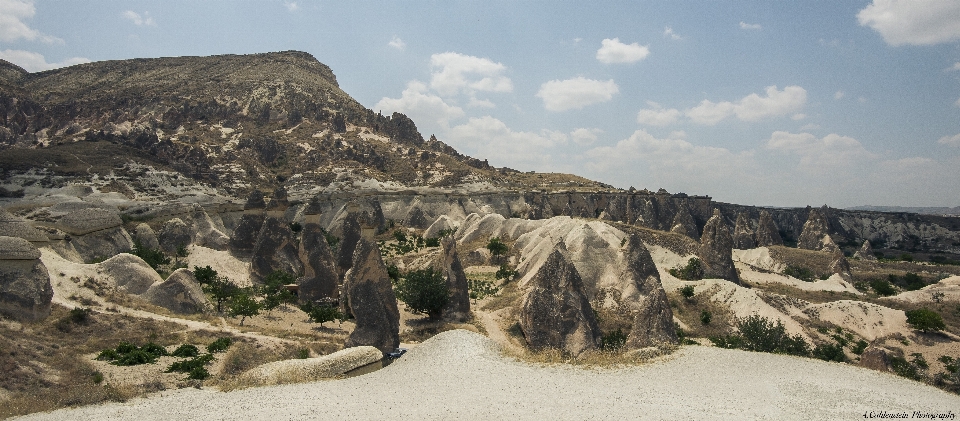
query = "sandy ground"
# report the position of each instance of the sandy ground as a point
(461, 375)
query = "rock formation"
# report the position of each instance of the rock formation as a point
(683, 224)
(179, 293)
(417, 219)
(11, 226)
(742, 234)
(96, 233)
(351, 235)
(25, 290)
(370, 299)
(276, 249)
(458, 306)
(244, 237)
(131, 273)
(206, 231)
(811, 238)
(865, 252)
(555, 312)
(174, 234)
(653, 322)
(146, 236)
(875, 358)
(443, 222)
(716, 250)
(768, 234)
(319, 278)
(841, 266)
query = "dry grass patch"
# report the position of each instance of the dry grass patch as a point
(508, 296)
(691, 312)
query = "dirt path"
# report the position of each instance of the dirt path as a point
(491, 322)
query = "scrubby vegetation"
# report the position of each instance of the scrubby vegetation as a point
(925, 320)
(424, 291)
(756, 333)
(800, 273)
(692, 271)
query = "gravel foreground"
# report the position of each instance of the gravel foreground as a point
(461, 375)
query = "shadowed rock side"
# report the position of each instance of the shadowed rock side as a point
(175, 233)
(96, 233)
(811, 238)
(319, 278)
(458, 306)
(768, 234)
(417, 219)
(276, 249)
(742, 234)
(653, 322)
(207, 232)
(716, 250)
(180, 293)
(875, 358)
(351, 235)
(684, 224)
(555, 313)
(146, 236)
(841, 266)
(865, 252)
(370, 298)
(245, 235)
(25, 290)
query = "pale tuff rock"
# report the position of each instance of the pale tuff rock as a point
(841, 266)
(12, 226)
(174, 234)
(370, 299)
(25, 290)
(131, 273)
(683, 223)
(813, 231)
(716, 250)
(244, 237)
(555, 312)
(312, 369)
(319, 278)
(827, 245)
(99, 244)
(742, 234)
(416, 219)
(768, 234)
(865, 252)
(653, 323)
(146, 236)
(85, 221)
(442, 223)
(180, 293)
(207, 233)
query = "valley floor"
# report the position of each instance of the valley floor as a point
(462, 375)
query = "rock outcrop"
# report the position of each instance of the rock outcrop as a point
(11, 226)
(742, 234)
(841, 266)
(312, 369)
(85, 221)
(179, 293)
(875, 358)
(417, 219)
(174, 234)
(716, 250)
(653, 320)
(96, 233)
(131, 273)
(811, 238)
(276, 249)
(319, 278)
(25, 290)
(351, 235)
(555, 312)
(146, 236)
(865, 252)
(206, 231)
(442, 223)
(458, 306)
(768, 234)
(244, 237)
(370, 299)
(683, 223)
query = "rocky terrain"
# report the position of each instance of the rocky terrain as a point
(121, 181)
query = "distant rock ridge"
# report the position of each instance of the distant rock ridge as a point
(743, 237)
(768, 234)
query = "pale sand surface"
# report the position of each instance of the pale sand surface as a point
(461, 375)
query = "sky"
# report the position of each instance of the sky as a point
(766, 103)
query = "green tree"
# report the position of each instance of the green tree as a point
(243, 305)
(322, 313)
(274, 290)
(925, 320)
(424, 291)
(497, 248)
(220, 290)
(204, 274)
(153, 257)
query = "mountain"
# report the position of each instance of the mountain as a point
(907, 209)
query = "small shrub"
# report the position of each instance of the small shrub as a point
(198, 373)
(219, 345)
(687, 291)
(480, 289)
(914, 369)
(882, 287)
(296, 227)
(497, 248)
(859, 347)
(682, 336)
(204, 275)
(97, 377)
(186, 366)
(925, 320)
(800, 273)
(830, 352)
(322, 313)
(693, 270)
(705, 317)
(186, 351)
(127, 354)
(80, 315)
(756, 333)
(506, 273)
(153, 257)
(613, 341)
(432, 242)
(303, 353)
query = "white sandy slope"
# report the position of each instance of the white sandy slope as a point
(460, 375)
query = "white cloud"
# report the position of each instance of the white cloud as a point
(419, 105)
(957, 103)
(916, 22)
(752, 107)
(291, 6)
(481, 103)
(656, 115)
(577, 40)
(614, 51)
(798, 116)
(12, 27)
(955, 67)
(397, 43)
(668, 33)
(583, 136)
(138, 19)
(454, 73)
(810, 126)
(561, 95)
(950, 140)
(830, 153)
(488, 137)
(839, 95)
(35, 62)
(750, 26)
